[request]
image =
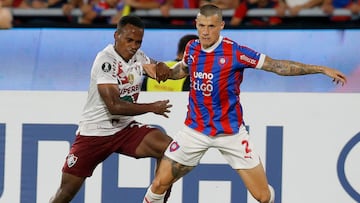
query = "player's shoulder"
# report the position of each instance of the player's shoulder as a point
(108, 53)
(238, 45)
(193, 42)
(227, 40)
(140, 54)
(141, 57)
(104, 60)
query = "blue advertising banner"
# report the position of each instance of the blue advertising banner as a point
(60, 59)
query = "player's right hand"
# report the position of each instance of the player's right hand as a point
(162, 107)
(162, 72)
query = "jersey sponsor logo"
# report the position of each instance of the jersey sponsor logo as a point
(106, 67)
(71, 160)
(203, 82)
(201, 75)
(247, 59)
(174, 146)
(130, 91)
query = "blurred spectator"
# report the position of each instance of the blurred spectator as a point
(179, 4)
(295, 6)
(183, 84)
(352, 5)
(223, 4)
(39, 4)
(68, 7)
(92, 11)
(245, 5)
(145, 4)
(15, 3)
(6, 18)
(163, 5)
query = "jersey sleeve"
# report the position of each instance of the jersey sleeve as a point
(142, 58)
(104, 70)
(250, 58)
(191, 45)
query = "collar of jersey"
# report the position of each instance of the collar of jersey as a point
(213, 47)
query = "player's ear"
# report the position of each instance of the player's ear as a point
(116, 35)
(222, 24)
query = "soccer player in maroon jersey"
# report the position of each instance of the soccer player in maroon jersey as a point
(107, 123)
(214, 119)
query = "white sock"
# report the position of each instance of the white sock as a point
(151, 197)
(272, 194)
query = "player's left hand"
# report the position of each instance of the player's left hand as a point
(337, 76)
(162, 72)
(161, 107)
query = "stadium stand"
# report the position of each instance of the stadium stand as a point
(311, 18)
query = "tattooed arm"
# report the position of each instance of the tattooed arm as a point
(178, 71)
(289, 68)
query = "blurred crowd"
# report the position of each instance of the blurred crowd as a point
(91, 10)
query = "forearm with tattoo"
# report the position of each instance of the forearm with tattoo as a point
(288, 68)
(178, 71)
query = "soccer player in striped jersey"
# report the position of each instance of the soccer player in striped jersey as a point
(215, 117)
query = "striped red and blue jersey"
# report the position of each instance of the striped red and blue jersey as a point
(216, 74)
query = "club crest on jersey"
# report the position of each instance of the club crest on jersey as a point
(174, 146)
(106, 67)
(222, 61)
(130, 78)
(71, 160)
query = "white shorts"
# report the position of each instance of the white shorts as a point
(189, 146)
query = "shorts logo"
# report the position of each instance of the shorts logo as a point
(174, 146)
(71, 160)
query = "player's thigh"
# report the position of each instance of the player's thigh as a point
(153, 144)
(238, 150)
(188, 147)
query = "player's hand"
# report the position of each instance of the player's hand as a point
(337, 76)
(162, 72)
(162, 107)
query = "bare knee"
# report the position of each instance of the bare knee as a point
(158, 186)
(70, 185)
(264, 196)
(63, 196)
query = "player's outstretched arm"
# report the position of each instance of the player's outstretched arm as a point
(110, 94)
(178, 71)
(159, 71)
(290, 68)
